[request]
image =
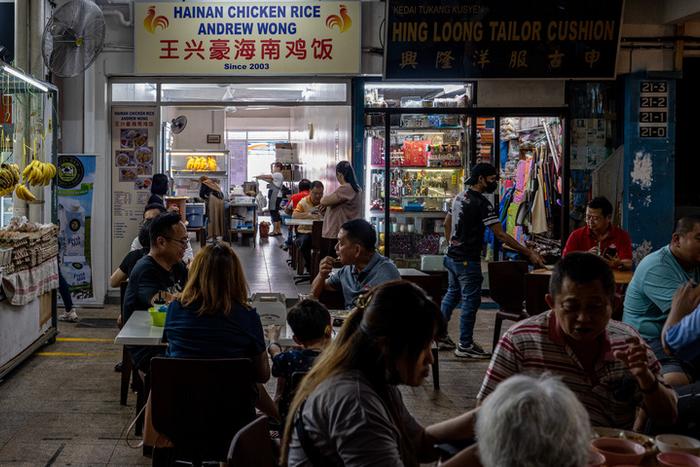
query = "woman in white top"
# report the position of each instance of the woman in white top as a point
(347, 410)
(275, 195)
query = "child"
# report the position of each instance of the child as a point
(310, 322)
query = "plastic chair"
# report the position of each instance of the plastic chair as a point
(507, 289)
(253, 447)
(199, 405)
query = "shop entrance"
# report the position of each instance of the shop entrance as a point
(227, 131)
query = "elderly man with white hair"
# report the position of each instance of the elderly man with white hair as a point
(529, 422)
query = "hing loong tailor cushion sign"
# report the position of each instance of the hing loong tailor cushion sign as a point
(458, 39)
(247, 38)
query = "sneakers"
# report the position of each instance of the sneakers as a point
(445, 343)
(473, 351)
(71, 317)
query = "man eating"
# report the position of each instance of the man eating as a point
(604, 362)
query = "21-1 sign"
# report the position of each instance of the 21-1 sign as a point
(653, 109)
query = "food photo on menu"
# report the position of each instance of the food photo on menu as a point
(133, 137)
(127, 174)
(143, 184)
(124, 159)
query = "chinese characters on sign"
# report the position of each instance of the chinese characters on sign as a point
(501, 39)
(249, 38)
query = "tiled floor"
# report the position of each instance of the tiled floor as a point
(61, 407)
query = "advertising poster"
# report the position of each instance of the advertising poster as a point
(133, 162)
(248, 38)
(76, 179)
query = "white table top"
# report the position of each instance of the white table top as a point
(294, 222)
(139, 331)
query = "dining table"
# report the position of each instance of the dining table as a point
(622, 278)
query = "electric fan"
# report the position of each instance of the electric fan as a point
(73, 37)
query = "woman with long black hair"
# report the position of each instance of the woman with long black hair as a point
(344, 204)
(347, 411)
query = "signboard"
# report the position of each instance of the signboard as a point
(248, 38)
(76, 179)
(133, 165)
(7, 29)
(458, 39)
(653, 109)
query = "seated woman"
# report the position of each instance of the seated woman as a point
(121, 274)
(348, 411)
(529, 422)
(211, 318)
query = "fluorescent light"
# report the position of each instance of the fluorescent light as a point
(25, 78)
(447, 87)
(255, 108)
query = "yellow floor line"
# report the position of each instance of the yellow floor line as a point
(83, 339)
(66, 354)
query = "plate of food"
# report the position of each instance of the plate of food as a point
(123, 158)
(639, 438)
(127, 175)
(143, 154)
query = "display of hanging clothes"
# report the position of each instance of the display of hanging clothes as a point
(538, 214)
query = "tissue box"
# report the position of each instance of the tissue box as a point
(431, 263)
(271, 307)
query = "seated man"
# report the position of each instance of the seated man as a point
(121, 274)
(526, 422)
(151, 211)
(363, 267)
(649, 295)
(161, 273)
(681, 332)
(604, 362)
(308, 208)
(600, 237)
(304, 187)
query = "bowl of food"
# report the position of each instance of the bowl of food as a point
(595, 459)
(678, 459)
(158, 314)
(639, 438)
(678, 443)
(619, 451)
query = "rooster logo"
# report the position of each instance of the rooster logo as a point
(343, 22)
(152, 21)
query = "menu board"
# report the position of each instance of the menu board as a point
(133, 162)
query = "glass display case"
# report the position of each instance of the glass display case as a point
(425, 131)
(185, 167)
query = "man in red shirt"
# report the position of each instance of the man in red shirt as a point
(599, 236)
(304, 189)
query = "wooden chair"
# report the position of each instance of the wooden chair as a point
(507, 289)
(316, 248)
(253, 447)
(536, 287)
(199, 405)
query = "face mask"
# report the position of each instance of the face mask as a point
(491, 187)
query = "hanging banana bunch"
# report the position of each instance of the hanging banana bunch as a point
(39, 173)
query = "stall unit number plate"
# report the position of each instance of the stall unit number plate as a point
(653, 109)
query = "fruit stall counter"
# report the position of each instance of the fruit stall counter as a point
(29, 272)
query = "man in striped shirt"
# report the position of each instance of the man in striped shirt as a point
(605, 363)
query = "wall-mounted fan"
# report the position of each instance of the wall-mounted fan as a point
(178, 124)
(73, 37)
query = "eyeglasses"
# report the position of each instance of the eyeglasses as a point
(182, 242)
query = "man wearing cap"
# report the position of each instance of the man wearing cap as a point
(471, 213)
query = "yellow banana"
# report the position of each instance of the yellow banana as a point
(23, 193)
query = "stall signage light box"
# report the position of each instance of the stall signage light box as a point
(248, 38)
(454, 39)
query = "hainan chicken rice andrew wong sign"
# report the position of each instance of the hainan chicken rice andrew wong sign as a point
(247, 38)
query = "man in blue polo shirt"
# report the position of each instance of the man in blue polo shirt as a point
(363, 268)
(650, 294)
